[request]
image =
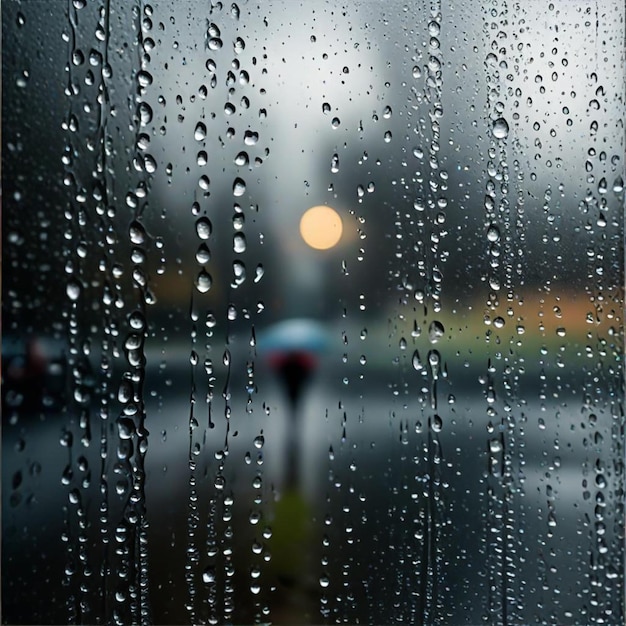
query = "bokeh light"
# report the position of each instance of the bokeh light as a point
(321, 227)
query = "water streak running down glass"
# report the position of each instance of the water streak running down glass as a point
(313, 313)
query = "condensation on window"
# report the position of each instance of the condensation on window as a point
(313, 313)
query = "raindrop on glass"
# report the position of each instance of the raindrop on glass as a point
(203, 281)
(239, 243)
(200, 132)
(204, 227)
(500, 128)
(239, 187)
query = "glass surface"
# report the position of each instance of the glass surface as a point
(221, 404)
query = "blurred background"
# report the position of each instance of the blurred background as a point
(222, 403)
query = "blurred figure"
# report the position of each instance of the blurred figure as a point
(291, 349)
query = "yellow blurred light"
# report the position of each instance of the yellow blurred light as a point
(321, 227)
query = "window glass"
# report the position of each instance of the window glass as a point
(312, 313)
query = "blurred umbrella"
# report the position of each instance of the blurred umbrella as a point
(294, 335)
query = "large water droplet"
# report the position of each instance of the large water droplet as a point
(239, 187)
(144, 111)
(250, 138)
(204, 227)
(137, 233)
(208, 576)
(203, 254)
(493, 233)
(73, 290)
(125, 392)
(200, 132)
(417, 362)
(241, 159)
(500, 128)
(239, 243)
(144, 78)
(203, 281)
(435, 331)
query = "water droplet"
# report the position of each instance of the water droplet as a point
(241, 159)
(436, 423)
(239, 243)
(493, 233)
(203, 254)
(500, 128)
(434, 28)
(203, 281)
(435, 331)
(434, 361)
(239, 271)
(144, 78)
(200, 132)
(22, 79)
(125, 427)
(208, 575)
(238, 221)
(417, 363)
(144, 112)
(239, 46)
(239, 187)
(137, 233)
(150, 164)
(73, 290)
(495, 445)
(204, 227)
(250, 138)
(137, 320)
(125, 392)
